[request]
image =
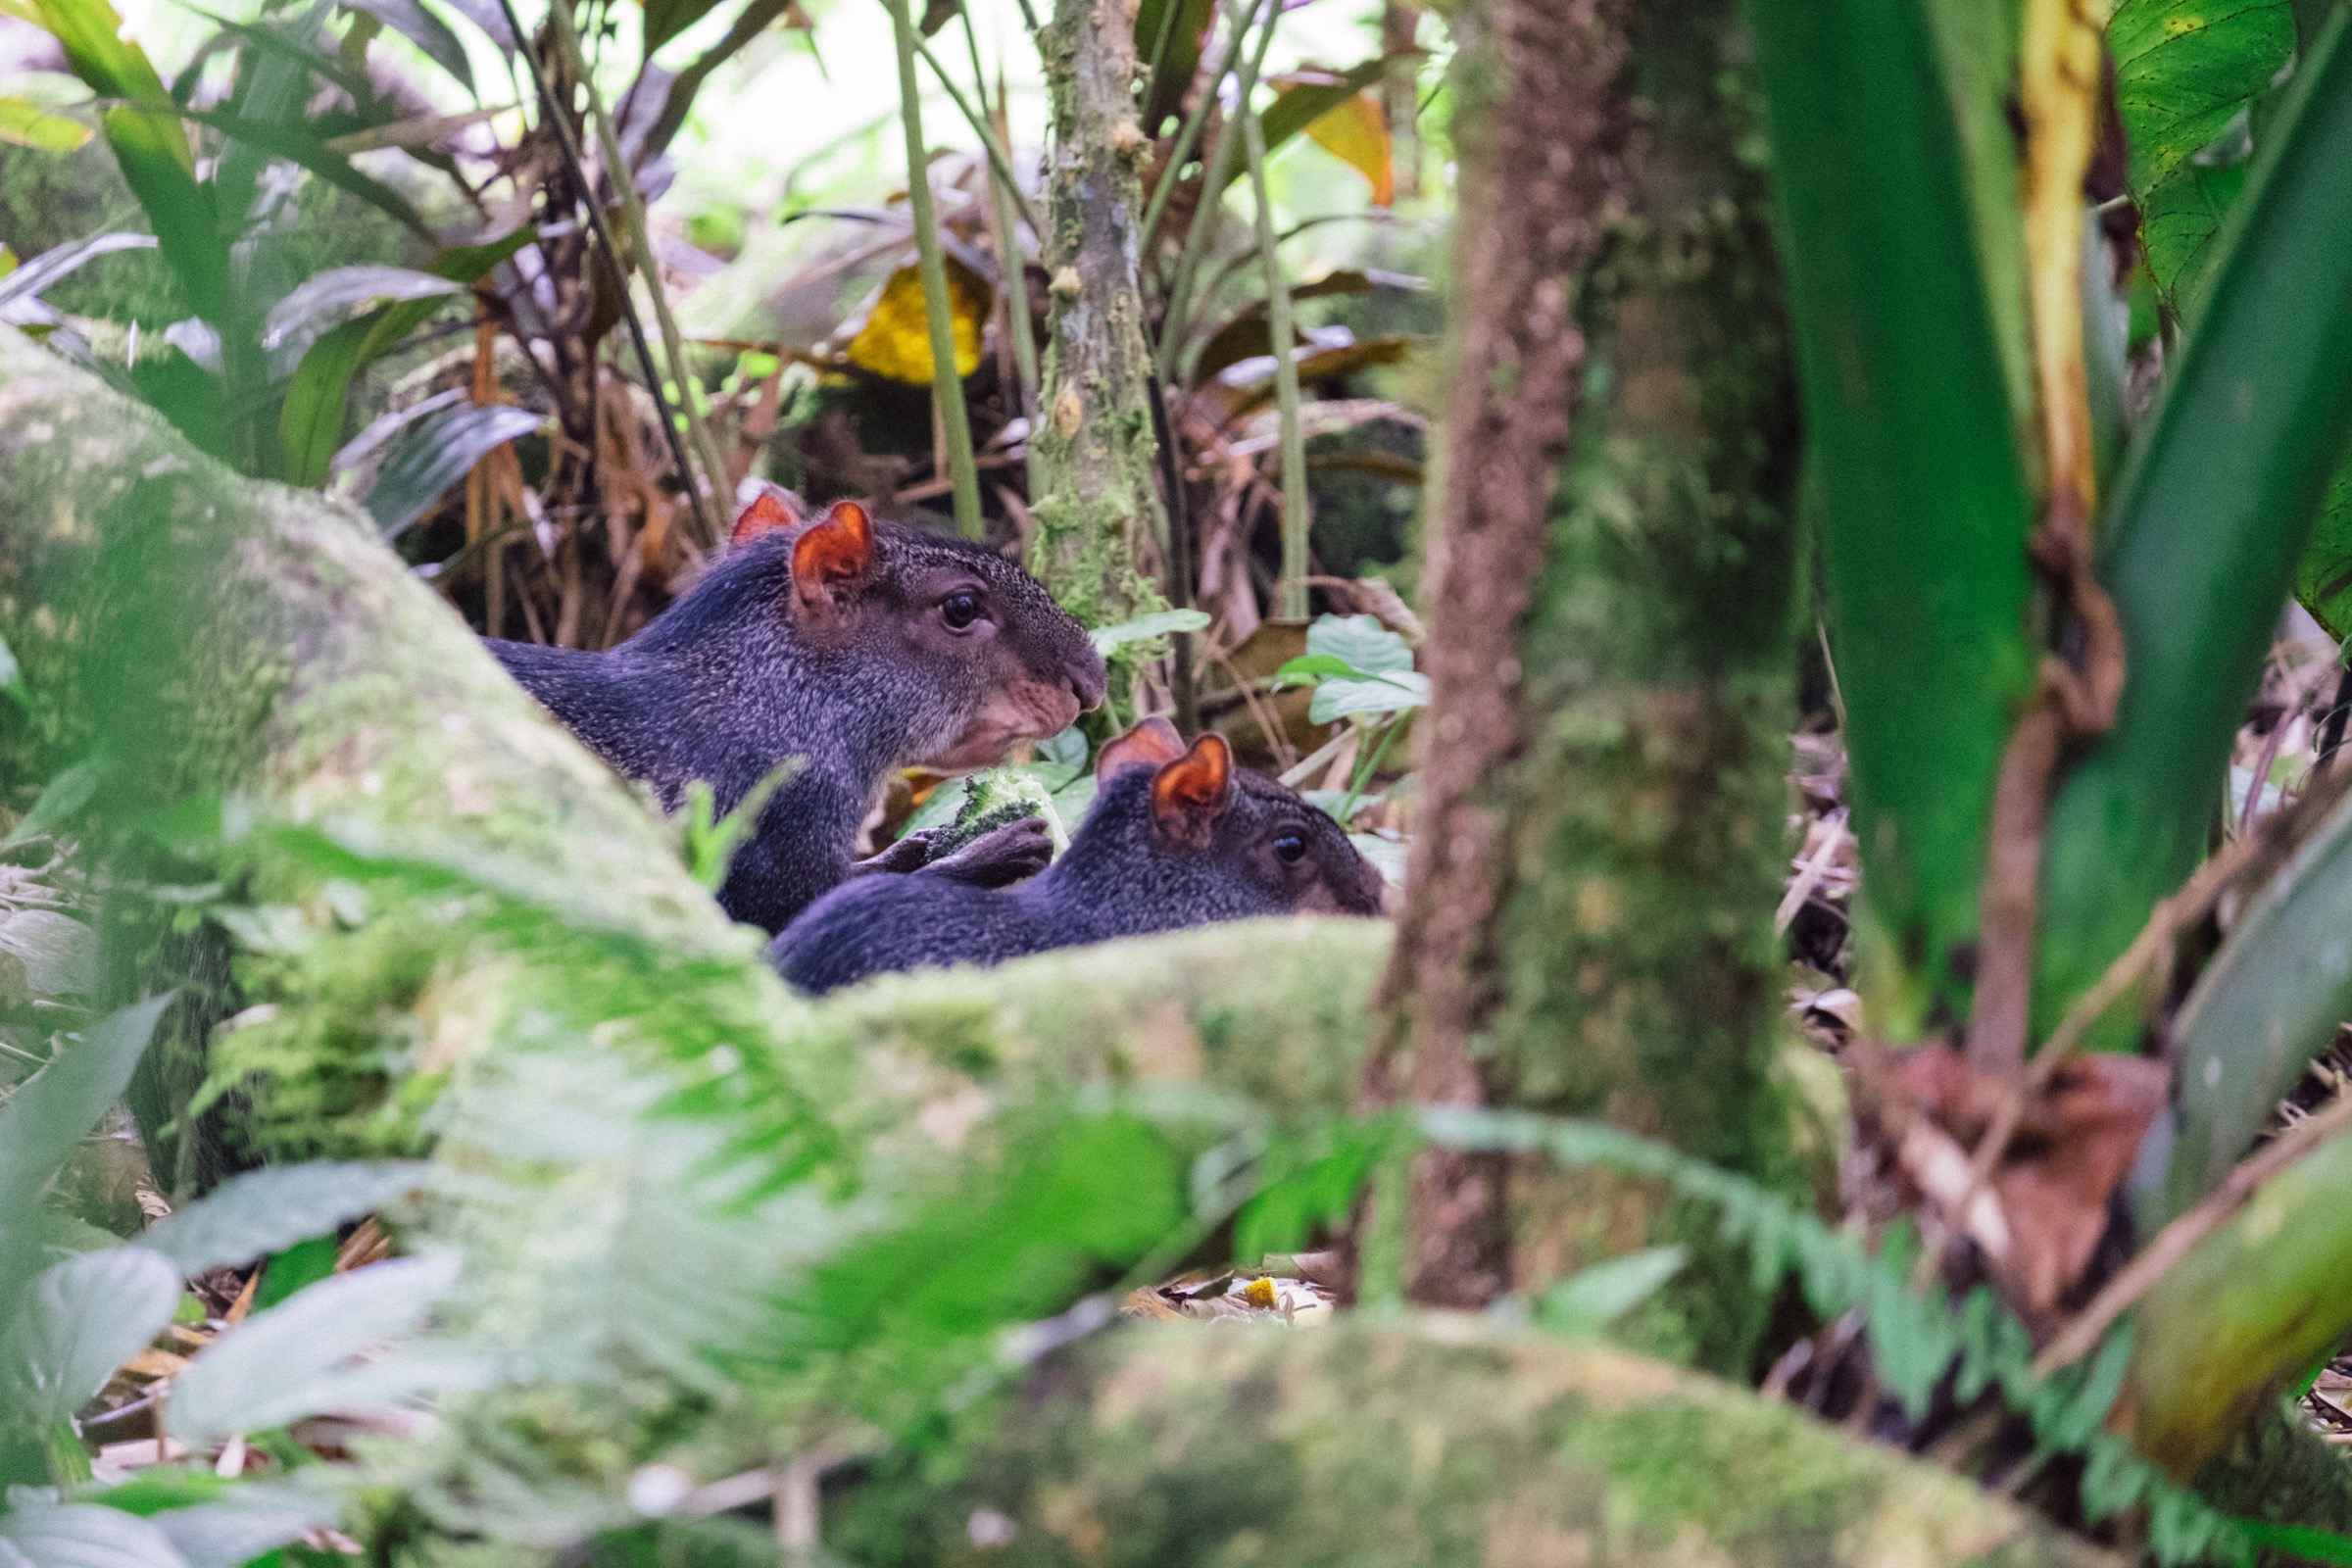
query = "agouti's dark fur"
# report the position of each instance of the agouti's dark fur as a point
(857, 648)
(1176, 838)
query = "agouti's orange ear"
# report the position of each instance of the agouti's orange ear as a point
(1193, 792)
(770, 509)
(1151, 742)
(836, 549)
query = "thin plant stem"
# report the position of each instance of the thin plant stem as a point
(998, 158)
(947, 387)
(632, 214)
(1365, 774)
(1212, 185)
(569, 145)
(1011, 263)
(1296, 516)
(1188, 137)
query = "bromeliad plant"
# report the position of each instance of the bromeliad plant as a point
(2045, 632)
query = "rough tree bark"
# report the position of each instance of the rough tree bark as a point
(1589, 927)
(1094, 443)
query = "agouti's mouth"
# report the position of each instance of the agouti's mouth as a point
(1031, 711)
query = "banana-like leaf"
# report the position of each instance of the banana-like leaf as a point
(28, 124)
(1913, 467)
(2204, 534)
(336, 290)
(2256, 1303)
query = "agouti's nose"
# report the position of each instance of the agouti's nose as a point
(1091, 682)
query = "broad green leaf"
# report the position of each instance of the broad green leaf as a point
(1977, 45)
(310, 422)
(1066, 749)
(1594, 1298)
(26, 279)
(59, 953)
(1360, 642)
(78, 1321)
(301, 1358)
(2323, 577)
(1185, 22)
(242, 1523)
(333, 292)
(2185, 70)
(49, 1114)
(60, 803)
(28, 124)
(298, 145)
(267, 1211)
(1913, 469)
(2203, 537)
(665, 20)
(425, 30)
(434, 454)
(1159, 624)
(1339, 697)
(82, 1535)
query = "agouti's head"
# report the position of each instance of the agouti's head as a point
(998, 660)
(1223, 834)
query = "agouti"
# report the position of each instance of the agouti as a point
(1177, 837)
(858, 648)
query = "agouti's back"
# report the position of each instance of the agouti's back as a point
(1176, 838)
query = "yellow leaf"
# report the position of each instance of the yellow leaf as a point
(28, 124)
(1260, 1295)
(1356, 132)
(896, 339)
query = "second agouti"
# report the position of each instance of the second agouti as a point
(857, 648)
(1177, 837)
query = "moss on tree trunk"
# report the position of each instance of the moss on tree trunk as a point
(1609, 611)
(1092, 440)
(1431, 1440)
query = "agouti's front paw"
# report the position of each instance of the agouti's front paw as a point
(999, 857)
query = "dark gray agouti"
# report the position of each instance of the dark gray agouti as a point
(1176, 838)
(858, 648)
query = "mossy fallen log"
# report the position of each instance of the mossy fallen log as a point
(1440, 1440)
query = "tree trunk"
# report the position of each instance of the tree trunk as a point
(1609, 641)
(1096, 503)
(1431, 1440)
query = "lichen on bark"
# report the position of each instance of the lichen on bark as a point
(1096, 504)
(1609, 616)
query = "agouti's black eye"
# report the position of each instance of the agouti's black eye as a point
(1292, 848)
(960, 609)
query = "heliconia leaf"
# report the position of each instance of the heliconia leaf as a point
(28, 124)
(263, 1211)
(896, 339)
(425, 30)
(1913, 468)
(78, 1321)
(2203, 535)
(1355, 131)
(435, 453)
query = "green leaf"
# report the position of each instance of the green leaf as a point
(1594, 1298)
(26, 279)
(1358, 666)
(1362, 641)
(1066, 749)
(2185, 70)
(79, 1320)
(334, 292)
(305, 1264)
(1382, 694)
(1913, 469)
(310, 422)
(297, 145)
(425, 30)
(665, 20)
(267, 1211)
(434, 454)
(12, 677)
(301, 1358)
(28, 124)
(80, 1534)
(2323, 577)
(241, 1524)
(1300, 107)
(1186, 23)
(1145, 627)
(62, 801)
(2203, 537)
(49, 1114)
